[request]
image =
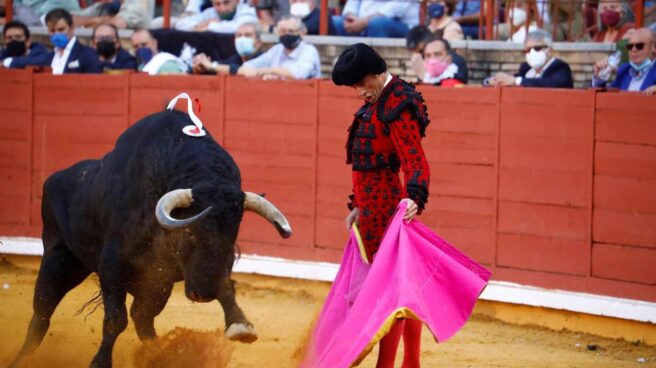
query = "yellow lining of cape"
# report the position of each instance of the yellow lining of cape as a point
(363, 253)
(402, 312)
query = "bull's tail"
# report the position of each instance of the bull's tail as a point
(96, 301)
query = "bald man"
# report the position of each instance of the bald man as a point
(639, 74)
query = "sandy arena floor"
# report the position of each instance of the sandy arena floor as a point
(282, 311)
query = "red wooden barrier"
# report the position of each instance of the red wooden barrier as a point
(15, 151)
(548, 188)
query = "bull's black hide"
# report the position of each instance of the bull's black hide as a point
(99, 216)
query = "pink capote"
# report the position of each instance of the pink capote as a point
(416, 274)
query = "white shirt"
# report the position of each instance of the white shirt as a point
(520, 35)
(448, 73)
(193, 6)
(638, 78)
(532, 73)
(244, 13)
(303, 62)
(387, 80)
(407, 11)
(61, 58)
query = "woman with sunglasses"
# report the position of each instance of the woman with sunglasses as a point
(639, 74)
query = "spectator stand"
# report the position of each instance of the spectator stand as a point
(484, 58)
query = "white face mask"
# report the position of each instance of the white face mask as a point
(536, 59)
(518, 16)
(300, 10)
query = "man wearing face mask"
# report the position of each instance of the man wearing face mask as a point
(248, 46)
(69, 55)
(441, 24)
(639, 74)
(223, 17)
(438, 67)
(150, 59)
(541, 68)
(292, 58)
(112, 56)
(518, 19)
(310, 14)
(19, 51)
(417, 40)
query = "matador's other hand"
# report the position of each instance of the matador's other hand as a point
(410, 209)
(354, 216)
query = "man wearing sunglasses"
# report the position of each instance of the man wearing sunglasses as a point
(639, 74)
(541, 68)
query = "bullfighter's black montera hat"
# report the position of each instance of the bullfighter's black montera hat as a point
(356, 62)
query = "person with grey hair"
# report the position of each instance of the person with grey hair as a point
(541, 68)
(291, 58)
(248, 44)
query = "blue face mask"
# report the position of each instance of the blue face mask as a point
(59, 40)
(143, 55)
(435, 10)
(245, 46)
(642, 66)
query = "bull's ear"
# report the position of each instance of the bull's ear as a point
(262, 195)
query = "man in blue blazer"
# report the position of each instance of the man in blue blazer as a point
(639, 74)
(112, 56)
(19, 50)
(541, 68)
(69, 56)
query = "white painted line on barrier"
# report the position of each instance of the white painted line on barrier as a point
(499, 291)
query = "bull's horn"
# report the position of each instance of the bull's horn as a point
(175, 199)
(261, 206)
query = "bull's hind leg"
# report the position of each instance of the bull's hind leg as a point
(148, 303)
(237, 326)
(114, 290)
(59, 273)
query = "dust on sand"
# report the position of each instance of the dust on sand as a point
(282, 311)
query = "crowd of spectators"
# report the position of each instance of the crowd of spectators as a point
(432, 59)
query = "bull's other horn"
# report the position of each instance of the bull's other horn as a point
(266, 209)
(175, 199)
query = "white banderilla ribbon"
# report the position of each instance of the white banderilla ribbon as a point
(190, 130)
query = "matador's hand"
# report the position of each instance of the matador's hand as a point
(354, 216)
(410, 210)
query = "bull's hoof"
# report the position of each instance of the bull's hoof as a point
(241, 332)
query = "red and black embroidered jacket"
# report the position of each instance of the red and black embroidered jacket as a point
(387, 135)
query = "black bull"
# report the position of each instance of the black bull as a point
(159, 208)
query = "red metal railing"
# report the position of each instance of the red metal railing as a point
(487, 19)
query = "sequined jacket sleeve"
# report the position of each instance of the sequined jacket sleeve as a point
(406, 136)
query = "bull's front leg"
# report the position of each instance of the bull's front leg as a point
(238, 328)
(112, 283)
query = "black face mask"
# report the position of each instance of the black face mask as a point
(106, 49)
(16, 48)
(290, 41)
